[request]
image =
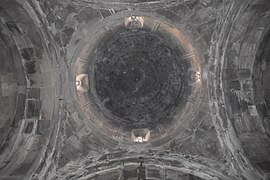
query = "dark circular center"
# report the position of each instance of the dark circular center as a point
(138, 76)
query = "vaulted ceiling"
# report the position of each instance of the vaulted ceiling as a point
(135, 89)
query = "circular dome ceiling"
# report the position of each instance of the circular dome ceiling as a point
(138, 76)
(135, 76)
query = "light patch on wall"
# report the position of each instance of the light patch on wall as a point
(134, 22)
(140, 135)
(82, 83)
(253, 110)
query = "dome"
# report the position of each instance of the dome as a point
(139, 74)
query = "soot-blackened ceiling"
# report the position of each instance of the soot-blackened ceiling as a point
(139, 77)
(129, 89)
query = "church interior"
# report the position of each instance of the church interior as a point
(135, 90)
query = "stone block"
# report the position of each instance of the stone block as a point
(44, 127)
(13, 27)
(244, 74)
(105, 13)
(266, 78)
(27, 53)
(20, 109)
(172, 16)
(33, 108)
(113, 175)
(22, 169)
(28, 127)
(161, 12)
(130, 172)
(234, 85)
(32, 67)
(180, 10)
(33, 93)
(87, 15)
(153, 173)
(233, 101)
(261, 7)
(8, 89)
(230, 74)
(22, 41)
(263, 110)
(173, 175)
